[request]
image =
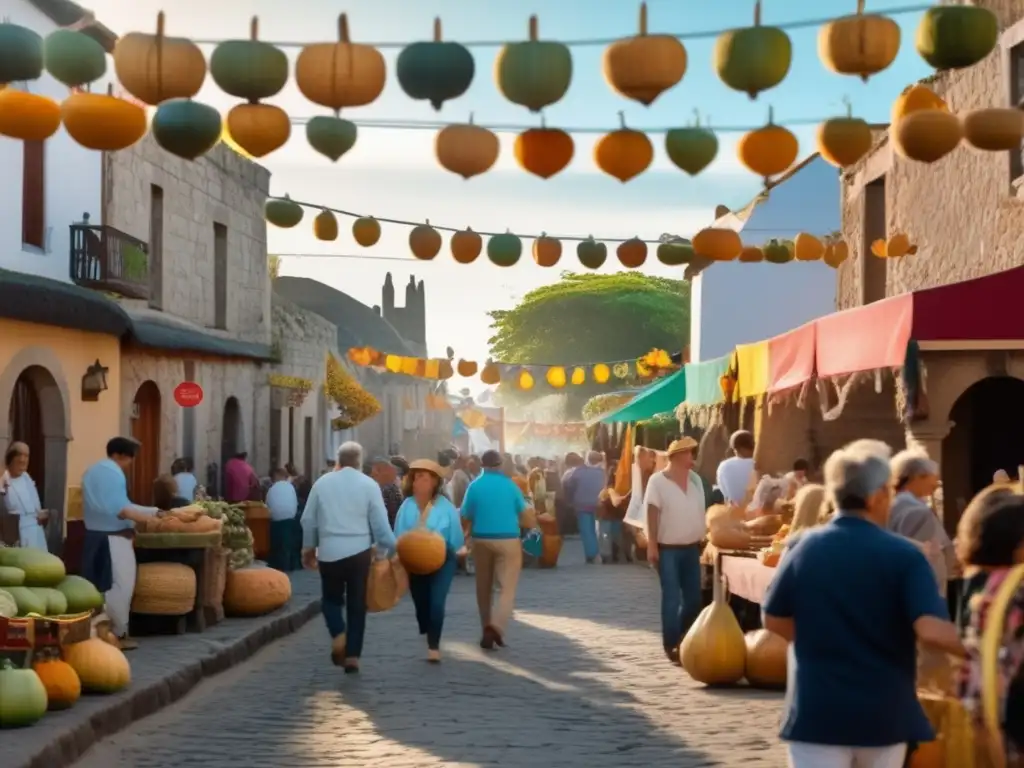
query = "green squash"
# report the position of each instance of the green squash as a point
(186, 128)
(776, 252)
(691, 149)
(74, 58)
(249, 69)
(591, 253)
(435, 71)
(753, 59)
(282, 212)
(27, 600)
(504, 250)
(21, 54)
(23, 697)
(41, 568)
(332, 137)
(56, 603)
(676, 253)
(956, 36)
(80, 594)
(534, 74)
(11, 576)
(8, 605)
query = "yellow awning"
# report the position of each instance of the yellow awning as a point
(752, 370)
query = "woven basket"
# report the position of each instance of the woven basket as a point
(164, 589)
(216, 564)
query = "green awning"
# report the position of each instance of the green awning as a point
(660, 397)
(703, 381)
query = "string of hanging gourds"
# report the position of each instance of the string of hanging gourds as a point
(167, 73)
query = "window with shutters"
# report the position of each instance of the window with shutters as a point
(33, 194)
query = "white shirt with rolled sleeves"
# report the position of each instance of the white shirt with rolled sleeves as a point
(681, 519)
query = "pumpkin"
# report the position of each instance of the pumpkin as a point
(332, 137)
(546, 250)
(632, 253)
(913, 99)
(259, 129)
(421, 551)
(930, 754)
(466, 368)
(861, 44)
(467, 150)
(766, 659)
(769, 150)
(895, 247)
(956, 36)
(27, 116)
(718, 244)
(21, 54)
(103, 122)
(591, 253)
(186, 128)
(63, 688)
(842, 141)
(249, 69)
(927, 135)
(753, 59)
(602, 373)
(504, 250)
(424, 242)
(645, 66)
(41, 568)
(624, 153)
(713, 651)
(835, 254)
(342, 74)
(164, 589)
(81, 595)
(282, 212)
(491, 374)
(543, 151)
(156, 68)
(366, 231)
(555, 377)
(535, 73)
(676, 253)
(74, 58)
(579, 376)
(996, 129)
(776, 252)
(524, 380)
(256, 591)
(691, 149)
(435, 71)
(325, 226)
(808, 247)
(466, 246)
(22, 696)
(100, 666)
(751, 254)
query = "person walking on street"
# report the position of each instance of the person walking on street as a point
(425, 505)
(343, 520)
(283, 503)
(583, 486)
(493, 505)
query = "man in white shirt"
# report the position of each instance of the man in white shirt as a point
(675, 528)
(735, 473)
(285, 541)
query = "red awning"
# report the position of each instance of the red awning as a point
(987, 308)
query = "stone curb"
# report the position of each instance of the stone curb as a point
(71, 744)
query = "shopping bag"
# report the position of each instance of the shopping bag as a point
(387, 583)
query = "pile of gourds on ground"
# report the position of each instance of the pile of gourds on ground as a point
(167, 73)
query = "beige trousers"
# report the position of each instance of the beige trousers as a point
(118, 599)
(498, 563)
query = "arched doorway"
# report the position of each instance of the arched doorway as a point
(231, 435)
(26, 423)
(146, 429)
(988, 425)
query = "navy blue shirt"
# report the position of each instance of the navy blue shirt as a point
(854, 591)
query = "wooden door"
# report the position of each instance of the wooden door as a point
(145, 429)
(26, 426)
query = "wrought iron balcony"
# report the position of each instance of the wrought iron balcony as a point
(106, 259)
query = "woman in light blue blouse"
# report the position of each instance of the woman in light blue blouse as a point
(426, 504)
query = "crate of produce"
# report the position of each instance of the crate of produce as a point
(31, 632)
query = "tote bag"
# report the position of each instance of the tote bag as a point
(387, 583)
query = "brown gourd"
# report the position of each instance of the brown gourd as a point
(466, 368)
(717, 243)
(490, 374)
(808, 248)
(424, 242)
(255, 591)
(259, 129)
(769, 150)
(325, 226)
(366, 231)
(156, 68)
(927, 135)
(466, 247)
(340, 75)
(860, 44)
(421, 551)
(546, 250)
(467, 149)
(632, 253)
(842, 141)
(915, 98)
(836, 253)
(544, 151)
(996, 129)
(714, 651)
(751, 254)
(625, 153)
(643, 67)
(102, 122)
(766, 659)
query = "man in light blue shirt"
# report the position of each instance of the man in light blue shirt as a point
(344, 518)
(285, 536)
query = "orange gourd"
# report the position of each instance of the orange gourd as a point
(325, 226)
(556, 377)
(546, 250)
(632, 253)
(63, 688)
(769, 150)
(255, 591)
(927, 135)
(421, 551)
(996, 129)
(259, 129)
(914, 99)
(602, 373)
(842, 141)
(102, 122)
(718, 244)
(156, 68)
(466, 246)
(342, 74)
(366, 231)
(525, 381)
(467, 150)
(101, 667)
(766, 659)
(751, 254)
(27, 116)
(861, 44)
(808, 248)
(930, 754)
(625, 153)
(836, 253)
(579, 376)
(466, 368)
(490, 374)
(544, 151)
(645, 66)
(424, 242)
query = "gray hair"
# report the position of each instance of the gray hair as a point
(595, 458)
(350, 454)
(911, 463)
(857, 471)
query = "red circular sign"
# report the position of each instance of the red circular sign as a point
(188, 394)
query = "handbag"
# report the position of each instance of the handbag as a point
(386, 585)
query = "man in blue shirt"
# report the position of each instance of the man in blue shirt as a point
(854, 600)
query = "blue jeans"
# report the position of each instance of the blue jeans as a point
(679, 573)
(610, 533)
(429, 594)
(588, 534)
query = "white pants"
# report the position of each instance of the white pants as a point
(118, 599)
(803, 755)
(31, 534)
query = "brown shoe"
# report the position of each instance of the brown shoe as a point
(126, 643)
(489, 639)
(352, 666)
(434, 656)
(338, 650)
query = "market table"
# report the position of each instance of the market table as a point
(745, 576)
(202, 553)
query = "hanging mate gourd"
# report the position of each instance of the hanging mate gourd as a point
(466, 149)
(102, 121)
(282, 212)
(717, 244)
(435, 71)
(676, 253)
(544, 151)
(23, 115)
(591, 253)
(534, 73)
(466, 246)
(625, 153)
(956, 36)
(842, 141)
(546, 250)
(861, 44)
(693, 148)
(504, 250)
(769, 150)
(643, 67)
(424, 242)
(753, 59)
(366, 231)
(632, 253)
(325, 226)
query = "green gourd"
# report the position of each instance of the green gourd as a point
(504, 250)
(676, 253)
(534, 74)
(11, 576)
(693, 148)
(591, 253)
(435, 71)
(27, 601)
(41, 568)
(80, 594)
(753, 59)
(249, 69)
(332, 137)
(23, 698)
(56, 603)
(282, 212)
(186, 128)
(956, 36)
(74, 58)
(21, 54)
(776, 252)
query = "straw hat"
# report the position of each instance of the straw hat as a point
(680, 445)
(429, 466)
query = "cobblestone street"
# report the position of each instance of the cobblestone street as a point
(583, 683)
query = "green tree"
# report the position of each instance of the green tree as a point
(586, 319)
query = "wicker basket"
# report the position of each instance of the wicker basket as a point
(164, 589)
(216, 565)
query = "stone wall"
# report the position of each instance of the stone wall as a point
(964, 212)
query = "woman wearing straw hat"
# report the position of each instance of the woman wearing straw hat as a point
(426, 505)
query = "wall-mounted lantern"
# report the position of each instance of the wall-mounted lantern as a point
(94, 381)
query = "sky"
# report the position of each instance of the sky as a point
(394, 174)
